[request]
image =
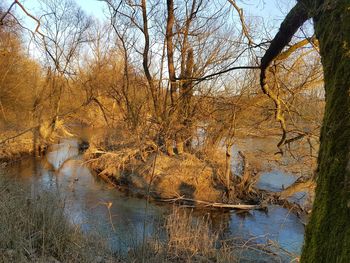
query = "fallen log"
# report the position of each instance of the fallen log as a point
(215, 204)
(296, 187)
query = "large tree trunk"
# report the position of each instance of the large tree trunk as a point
(327, 236)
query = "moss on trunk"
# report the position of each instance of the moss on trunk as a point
(328, 233)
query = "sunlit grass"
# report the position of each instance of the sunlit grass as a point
(36, 229)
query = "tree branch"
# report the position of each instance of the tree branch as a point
(295, 19)
(241, 18)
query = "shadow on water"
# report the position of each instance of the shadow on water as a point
(122, 224)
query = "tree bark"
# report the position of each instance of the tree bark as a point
(170, 50)
(171, 70)
(327, 236)
(145, 62)
(183, 140)
(228, 169)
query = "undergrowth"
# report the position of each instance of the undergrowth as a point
(36, 229)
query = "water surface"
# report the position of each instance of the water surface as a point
(128, 218)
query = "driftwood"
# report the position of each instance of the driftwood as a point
(214, 205)
(296, 187)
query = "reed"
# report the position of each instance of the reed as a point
(35, 228)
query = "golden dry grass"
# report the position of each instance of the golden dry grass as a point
(36, 229)
(14, 149)
(188, 239)
(173, 176)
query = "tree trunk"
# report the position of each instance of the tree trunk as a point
(145, 61)
(184, 138)
(327, 236)
(170, 50)
(228, 169)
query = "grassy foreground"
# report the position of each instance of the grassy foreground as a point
(37, 230)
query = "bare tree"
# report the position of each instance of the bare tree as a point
(63, 28)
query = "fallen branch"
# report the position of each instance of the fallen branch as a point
(18, 135)
(297, 187)
(215, 205)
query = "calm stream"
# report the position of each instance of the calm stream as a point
(86, 196)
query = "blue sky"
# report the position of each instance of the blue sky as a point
(92, 7)
(272, 11)
(268, 9)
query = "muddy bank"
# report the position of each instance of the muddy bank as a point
(189, 180)
(160, 176)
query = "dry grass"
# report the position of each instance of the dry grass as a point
(14, 149)
(36, 230)
(125, 160)
(188, 239)
(174, 176)
(191, 238)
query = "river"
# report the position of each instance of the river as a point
(63, 171)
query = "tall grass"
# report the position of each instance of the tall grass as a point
(191, 238)
(188, 239)
(36, 229)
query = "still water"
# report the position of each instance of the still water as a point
(87, 199)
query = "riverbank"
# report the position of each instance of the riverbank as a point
(14, 149)
(16, 143)
(137, 229)
(159, 175)
(36, 229)
(190, 178)
(197, 179)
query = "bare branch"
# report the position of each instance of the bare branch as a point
(295, 19)
(6, 13)
(241, 18)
